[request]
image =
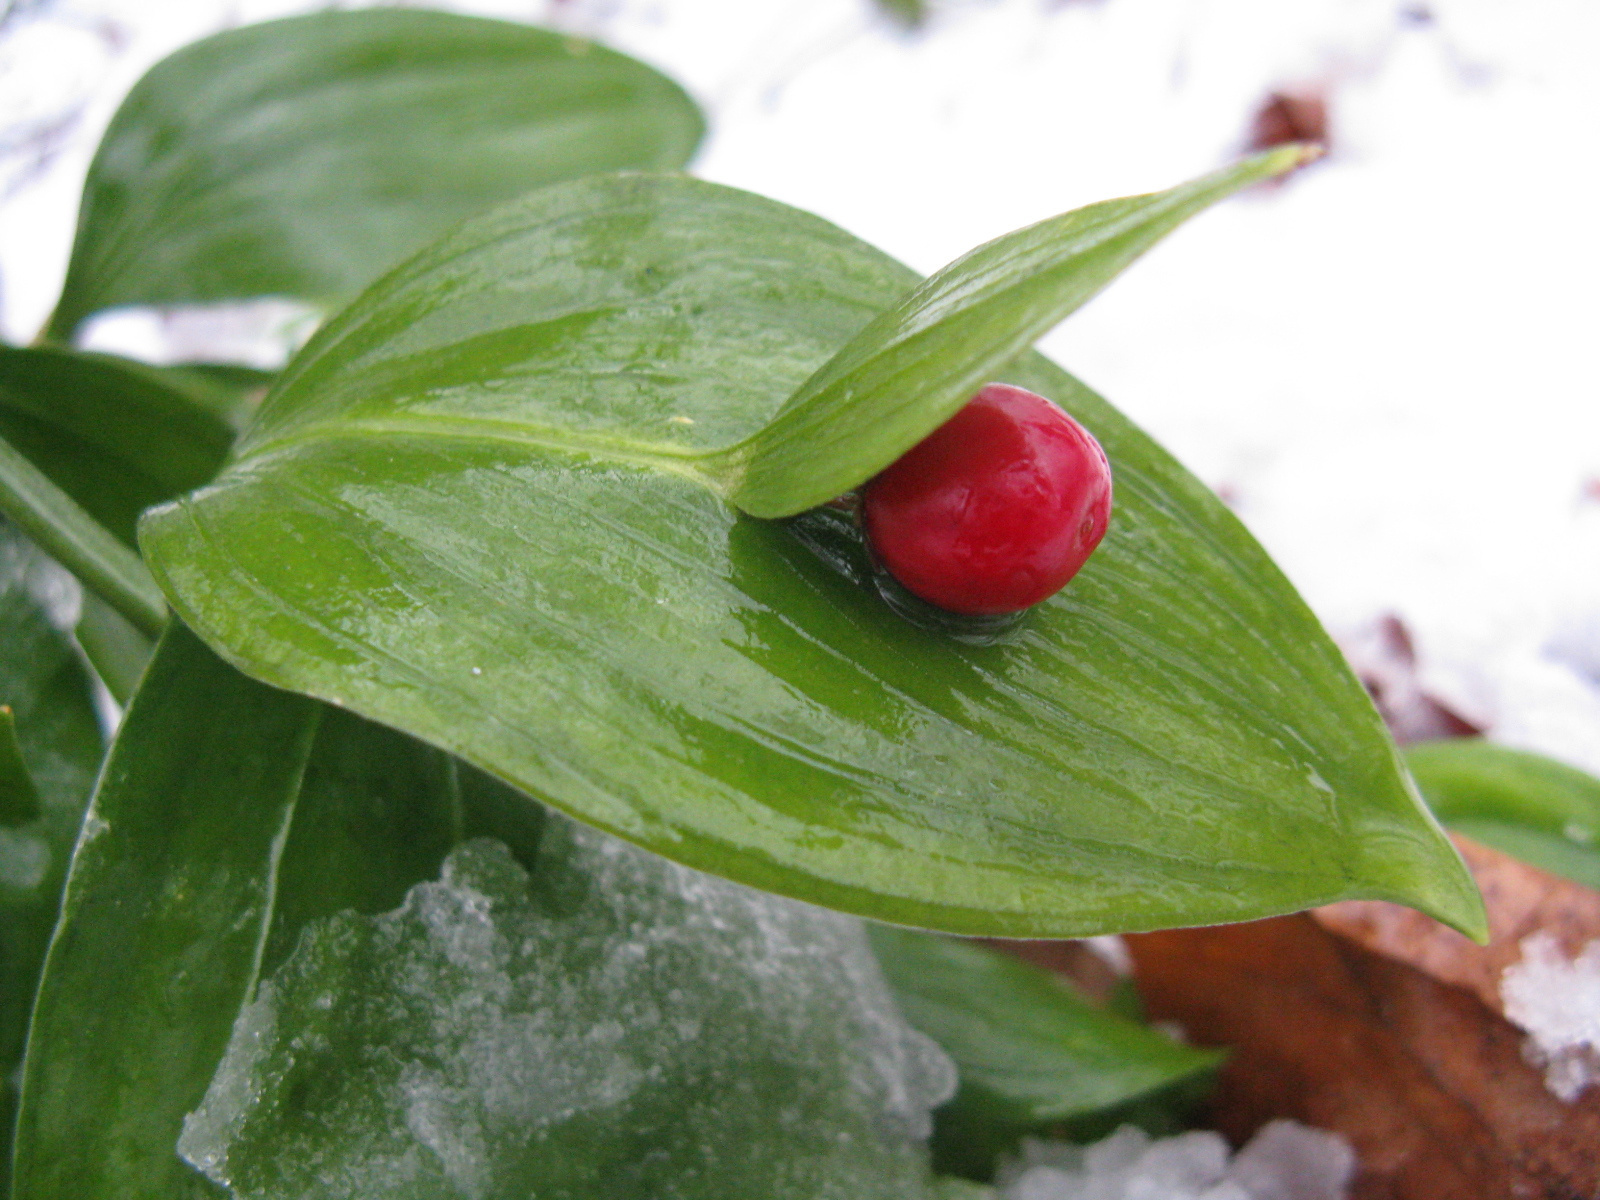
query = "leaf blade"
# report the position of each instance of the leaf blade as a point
(1023, 1038)
(302, 156)
(230, 816)
(115, 435)
(512, 549)
(65, 531)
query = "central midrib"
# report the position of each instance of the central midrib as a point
(711, 468)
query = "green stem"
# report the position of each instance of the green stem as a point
(72, 537)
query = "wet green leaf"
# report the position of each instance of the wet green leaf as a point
(499, 473)
(230, 814)
(301, 157)
(1529, 806)
(616, 1026)
(58, 740)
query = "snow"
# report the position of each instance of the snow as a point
(1556, 999)
(1284, 1161)
(495, 1038)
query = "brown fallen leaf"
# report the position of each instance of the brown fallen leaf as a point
(1521, 900)
(1380, 1024)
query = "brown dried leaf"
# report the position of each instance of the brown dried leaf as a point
(1521, 900)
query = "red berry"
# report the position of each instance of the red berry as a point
(996, 509)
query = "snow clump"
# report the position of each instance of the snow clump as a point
(1557, 1000)
(1284, 1161)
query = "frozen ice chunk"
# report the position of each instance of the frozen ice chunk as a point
(1290, 1161)
(615, 1026)
(1556, 999)
(1284, 1161)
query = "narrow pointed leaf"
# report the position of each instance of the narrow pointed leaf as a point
(1020, 1038)
(47, 693)
(498, 473)
(1031, 1052)
(65, 531)
(115, 435)
(301, 157)
(908, 372)
(1531, 807)
(230, 814)
(161, 926)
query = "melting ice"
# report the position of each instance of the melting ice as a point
(615, 1026)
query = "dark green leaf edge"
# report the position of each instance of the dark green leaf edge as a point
(116, 435)
(19, 798)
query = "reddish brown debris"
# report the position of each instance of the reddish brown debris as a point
(1297, 115)
(1384, 658)
(1383, 1025)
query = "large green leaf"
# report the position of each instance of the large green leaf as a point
(58, 739)
(115, 435)
(482, 506)
(230, 815)
(303, 156)
(1532, 807)
(622, 1028)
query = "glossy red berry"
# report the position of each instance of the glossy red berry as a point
(996, 509)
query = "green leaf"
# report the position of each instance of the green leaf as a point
(230, 814)
(918, 363)
(228, 390)
(1529, 806)
(57, 738)
(614, 1026)
(497, 474)
(19, 798)
(301, 157)
(115, 435)
(1030, 1051)
(65, 531)
(1021, 1036)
